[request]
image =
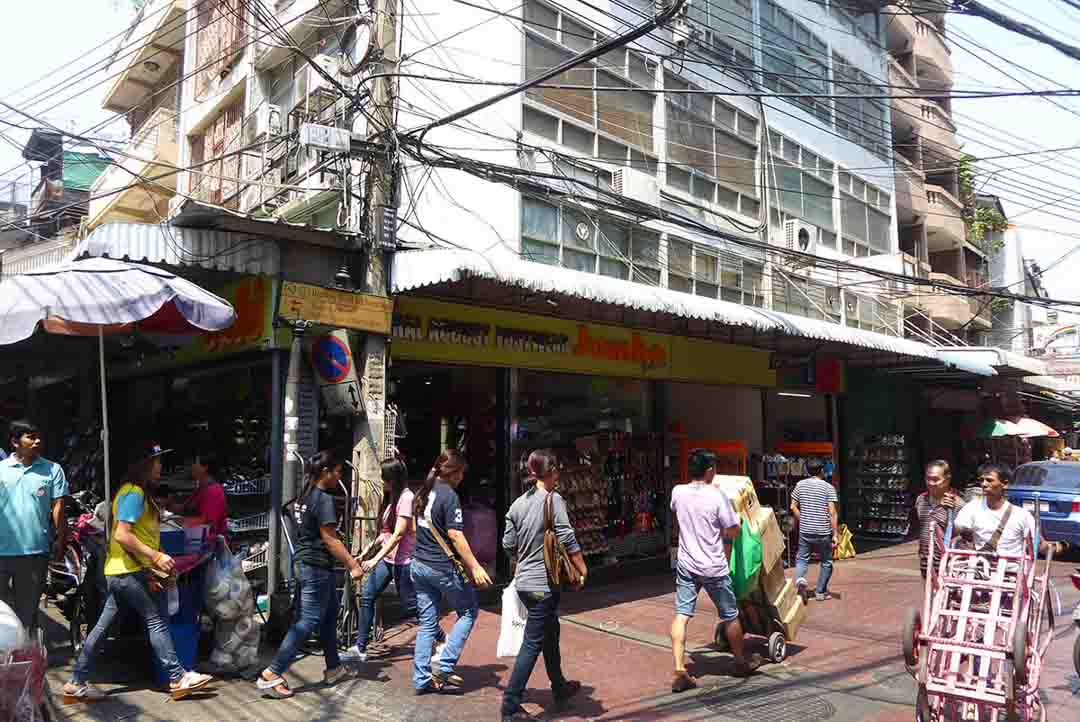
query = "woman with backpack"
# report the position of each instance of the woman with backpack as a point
(438, 571)
(317, 546)
(523, 539)
(397, 540)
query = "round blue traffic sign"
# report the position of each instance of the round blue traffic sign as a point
(331, 359)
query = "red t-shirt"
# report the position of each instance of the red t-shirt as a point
(208, 501)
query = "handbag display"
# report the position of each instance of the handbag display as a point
(560, 570)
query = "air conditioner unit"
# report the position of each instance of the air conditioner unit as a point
(801, 236)
(636, 185)
(268, 121)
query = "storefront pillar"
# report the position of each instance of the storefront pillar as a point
(277, 562)
(368, 441)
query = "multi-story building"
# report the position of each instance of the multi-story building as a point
(673, 120)
(930, 199)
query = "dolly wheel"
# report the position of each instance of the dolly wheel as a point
(912, 629)
(922, 705)
(777, 647)
(1019, 650)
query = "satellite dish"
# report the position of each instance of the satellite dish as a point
(356, 48)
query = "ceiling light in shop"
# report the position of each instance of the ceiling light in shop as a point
(794, 395)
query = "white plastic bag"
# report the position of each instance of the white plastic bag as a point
(512, 625)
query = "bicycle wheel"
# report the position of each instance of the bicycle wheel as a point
(348, 619)
(378, 632)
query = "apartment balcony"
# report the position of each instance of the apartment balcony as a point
(937, 131)
(947, 309)
(911, 201)
(151, 52)
(152, 154)
(932, 56)
(945, 227)
(906, 112)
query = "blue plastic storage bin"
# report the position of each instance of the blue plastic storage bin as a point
(173, 542)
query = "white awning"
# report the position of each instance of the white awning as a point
(174, 246)
(1007, 363)
(418, 269)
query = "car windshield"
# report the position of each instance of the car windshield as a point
(1057, 476)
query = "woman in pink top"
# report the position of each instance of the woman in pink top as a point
(397, 540)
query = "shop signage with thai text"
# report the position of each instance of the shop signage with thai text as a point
(333, 307)
(430, 330)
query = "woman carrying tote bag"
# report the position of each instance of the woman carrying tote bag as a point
(539, 510)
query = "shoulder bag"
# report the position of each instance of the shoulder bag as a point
(560, 569)
(449, 554)
(992, 542)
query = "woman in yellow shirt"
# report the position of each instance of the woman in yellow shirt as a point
(134, 550)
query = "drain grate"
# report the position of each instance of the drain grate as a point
(763, 705)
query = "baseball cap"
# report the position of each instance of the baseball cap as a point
(148, 450)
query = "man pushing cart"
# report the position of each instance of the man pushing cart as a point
(976, 648)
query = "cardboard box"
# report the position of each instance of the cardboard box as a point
(785, 599)
(740, 490)
(794, 618)
(772, 581)
(773, 542)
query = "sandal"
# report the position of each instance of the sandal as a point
(190, 682)
(274, 688)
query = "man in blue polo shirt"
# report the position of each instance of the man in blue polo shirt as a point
(32, 491)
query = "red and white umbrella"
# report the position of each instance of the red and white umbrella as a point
(99, 296)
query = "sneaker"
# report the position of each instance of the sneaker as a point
(565, 692)
(353, 655)
(76, 692)
(335, 675)
(190, 682)
(823, 596)
(681, 682)
(800, 586)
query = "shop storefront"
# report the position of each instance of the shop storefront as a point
(618, 406)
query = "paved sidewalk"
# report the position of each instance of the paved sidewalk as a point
(845, 666)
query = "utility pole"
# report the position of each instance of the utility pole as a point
(368, 451)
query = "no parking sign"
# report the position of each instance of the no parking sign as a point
(332, 362)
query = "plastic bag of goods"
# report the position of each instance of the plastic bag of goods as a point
(222, 660)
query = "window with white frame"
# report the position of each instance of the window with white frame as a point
(858, 18)
(711, 148)
(803, 183)
(870, 314)
(725, 28)
(794, 60)
(803, 297)
(865, 219)
(706, 271)
(612, 120)
(863, 120)
(569, 237)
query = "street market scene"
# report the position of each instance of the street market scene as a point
(358, 355)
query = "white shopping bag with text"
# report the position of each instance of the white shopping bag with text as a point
(512, 631)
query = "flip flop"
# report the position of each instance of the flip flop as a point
(182, 692)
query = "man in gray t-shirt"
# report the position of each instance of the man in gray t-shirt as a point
(523, 540)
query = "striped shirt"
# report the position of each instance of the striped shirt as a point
(813, 496)
(933, 518)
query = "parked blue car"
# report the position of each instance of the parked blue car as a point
(1058, 485)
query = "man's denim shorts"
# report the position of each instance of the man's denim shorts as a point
(688, 585)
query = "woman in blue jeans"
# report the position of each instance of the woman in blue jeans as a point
(523, 540)
(135, 551)
(393, 559)
(317, 546)
(440, 531)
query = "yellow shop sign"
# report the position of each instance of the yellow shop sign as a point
(428, 330)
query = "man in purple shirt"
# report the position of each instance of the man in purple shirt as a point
(705, 519)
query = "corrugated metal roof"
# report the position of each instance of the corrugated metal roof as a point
(418, 269)
(168, 244)
(35, 255)
(1006, 362)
